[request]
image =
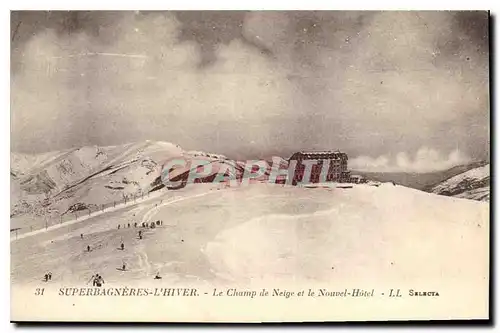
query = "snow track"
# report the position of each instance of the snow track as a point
(118, 207)
(87, 217)
(147, 217)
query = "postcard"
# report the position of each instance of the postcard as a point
(249, 166)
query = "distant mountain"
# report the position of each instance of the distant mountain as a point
(473, 184)
(51, 185)
(420, 181)
(57, 183)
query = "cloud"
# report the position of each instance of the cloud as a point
(378, 83)
(146, 84)
(425, 160)
(383, 82)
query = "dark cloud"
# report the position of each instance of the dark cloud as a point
(210, 29)
(475, 25)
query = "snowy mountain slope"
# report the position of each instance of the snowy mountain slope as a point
(473, 184)
(421, 181)
(197, 154)
(480, 194)
(48, 184)
(57, 183)
(350, 234)
(22, 164)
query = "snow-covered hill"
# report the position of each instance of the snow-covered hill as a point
(473, 184)
(262, 235)
(49, 185)
(48, 188)
(272, 234)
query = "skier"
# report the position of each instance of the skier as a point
(123, 246)
(124, 267)
(157, 276)
(92, 278)
(88, 248)
(135, 225)
(118, 227)
(128, 225)
(99, 281)
(81, 236)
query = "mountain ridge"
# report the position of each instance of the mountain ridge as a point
(50, 185)
(472, 184)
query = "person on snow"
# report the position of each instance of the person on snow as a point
(123, 246)
(81, 236)
(118, 226)
(128, 225)
(98, 281)
(88, 248)
(93, 278)
(124, 267)
(157, 276)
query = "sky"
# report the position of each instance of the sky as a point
(397, 91)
